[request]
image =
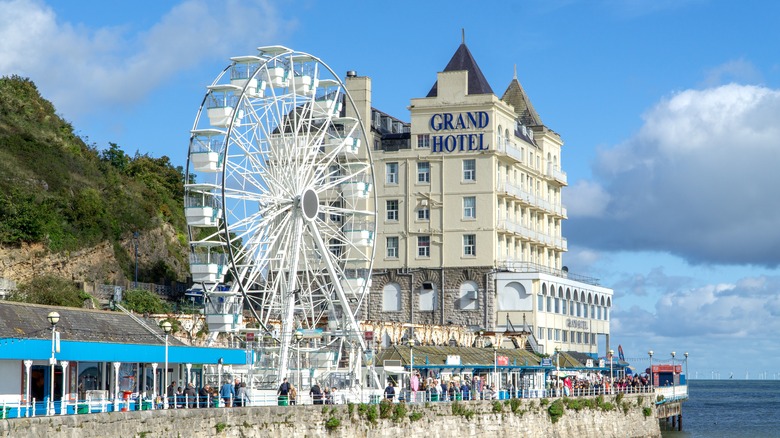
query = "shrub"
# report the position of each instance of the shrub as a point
(415, 416)
(514, 404)
(385, 408)
(647, 411)
(399, 413)
(144, 301)
(372, 414)
(555, 410)
(332, 423)
(544, 402)
(497, 407)
(220, 427)
(619, 398)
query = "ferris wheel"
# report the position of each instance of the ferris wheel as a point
(279, 199)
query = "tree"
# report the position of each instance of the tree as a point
(50, 291)
(144, 301)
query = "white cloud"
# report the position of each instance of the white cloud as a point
(698, 180)
(586, 199)
(737, 70)
(739, 318)
(82, 70)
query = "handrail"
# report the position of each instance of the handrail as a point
(140, 322)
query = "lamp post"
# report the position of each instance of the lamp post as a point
(611, 379)
(166, 326)
(495, 367)
(652, 379)
(135, 244)
(298, 338)
(557, 368)
(53, 318)
(674, 395)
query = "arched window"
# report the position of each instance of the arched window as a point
(514, 297)
(427, 297)
(391, 298)
(468, 296)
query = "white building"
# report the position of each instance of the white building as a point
(470, 215)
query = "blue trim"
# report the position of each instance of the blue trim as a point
(37, 349)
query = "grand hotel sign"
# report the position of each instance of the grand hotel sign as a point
(450, 135)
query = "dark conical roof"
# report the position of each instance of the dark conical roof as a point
(515, 96)
(462, 60)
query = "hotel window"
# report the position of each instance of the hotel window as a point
(469, 245)
(549, 304)
(336, 206)
(572, 336)
(424, 172)
(391, 298)
(540, 303)
(557, 334)
(557, 305)
(571, 308)
(423, 246)
(469, 170)
(579, 338)
(334, 172)
(423, 141)
(392, 247)
(469, 207)
(423, 214)
(565, 336)
(541, 333)
(592, 311)
(598, 312)
(564, 308)
(391, 173)
(392, 210)
(550, 334)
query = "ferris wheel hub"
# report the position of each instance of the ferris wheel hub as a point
(310, 204)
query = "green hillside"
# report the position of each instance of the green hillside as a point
(59, 191)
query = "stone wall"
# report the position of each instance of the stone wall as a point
(447, 283)
(436, 420)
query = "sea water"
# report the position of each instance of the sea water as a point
(730, 408)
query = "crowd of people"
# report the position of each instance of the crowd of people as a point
(420, 389)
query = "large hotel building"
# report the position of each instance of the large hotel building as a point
(470, 217)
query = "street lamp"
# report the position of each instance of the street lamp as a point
(298, 338)
(674, 390)
(53, 318)
(495, 368)
(652, 379)
(166, 326)
(135, 244)
(557, 369)
(611, 379)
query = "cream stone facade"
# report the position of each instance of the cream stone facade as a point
(470, 217)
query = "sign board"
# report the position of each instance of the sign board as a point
(453, 359)
(250, 337)
(368, 336)
(546, 362)
(601, 363)
(502, 361)
(589, 363)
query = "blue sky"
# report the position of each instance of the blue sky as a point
(668, 108)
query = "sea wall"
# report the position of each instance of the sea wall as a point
(606, 418)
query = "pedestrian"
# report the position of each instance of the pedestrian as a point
(293, 394)
(203, 395)
(242, 395)
(390, 392)
(316, 394)
(283, 392)
(170, 394)
(226, 393)
(190, 396)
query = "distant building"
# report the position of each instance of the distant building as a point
(470, 217)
